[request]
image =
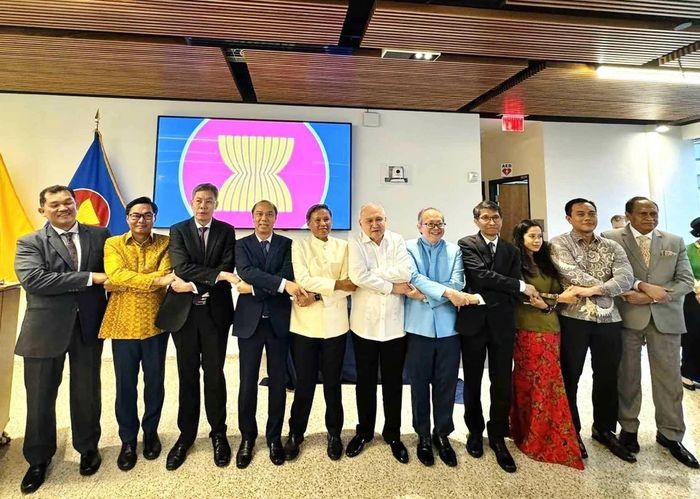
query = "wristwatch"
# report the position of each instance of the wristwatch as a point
(317, 297)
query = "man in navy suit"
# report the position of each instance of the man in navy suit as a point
(264, 263)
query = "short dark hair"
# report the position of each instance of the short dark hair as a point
(541, 259)
(314, 208)
(695, 226)
(252, 210)
(615, 218)
(486, 205)
(629, 205)
(420, 213)
(53, 189)
(572, 202)
(142, 200)
(206, 187)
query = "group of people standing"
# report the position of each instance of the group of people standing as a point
(417, 306)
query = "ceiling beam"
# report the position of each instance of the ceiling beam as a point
(357, 19)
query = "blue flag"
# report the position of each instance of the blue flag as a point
(96, 192)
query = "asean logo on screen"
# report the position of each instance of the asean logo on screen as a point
(93, 208)
(283, 162)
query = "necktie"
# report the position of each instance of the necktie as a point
(265, 247)
(492, 249)
(70, 246)
(202, 239)
(645, 248)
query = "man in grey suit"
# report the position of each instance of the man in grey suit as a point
(652, 314)
(61, 268)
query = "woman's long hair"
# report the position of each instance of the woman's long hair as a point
(542, 258)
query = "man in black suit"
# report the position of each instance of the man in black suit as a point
(264, 263)
(492, 269)
(198, 309)
(61, 269)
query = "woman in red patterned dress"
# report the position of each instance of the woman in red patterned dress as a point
(541, 423)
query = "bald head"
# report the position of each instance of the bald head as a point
(373, 221)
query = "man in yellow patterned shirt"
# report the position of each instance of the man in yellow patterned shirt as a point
(138, 268)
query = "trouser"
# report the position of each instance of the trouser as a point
(432, 361)
(388, 356)
(604, 341)
(200, 343)
(42, 377)
(310, 354)
(129, 357)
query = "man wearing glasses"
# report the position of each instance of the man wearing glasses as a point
(138, 269)
(492, 268)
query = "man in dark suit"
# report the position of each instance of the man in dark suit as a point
(61, 269)
(492, 269)
(198, 309)
(264, 263)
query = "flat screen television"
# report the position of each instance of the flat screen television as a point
(294, 164)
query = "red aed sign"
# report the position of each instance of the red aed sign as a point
(513, 123)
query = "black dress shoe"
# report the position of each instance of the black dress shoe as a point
(127, 456)
(678, 451)
(356, 445)
(245, 453)
(335, 448)
(688, 384)
(398, 450)
(608, 439)
(291, 446)
(475, 445)
(34, 478)
(222, 450)
(277, 452)
(176, 456)
(445, 450)
(151, 446)
(581, 447)
(425, 451)
(503, 457)
(90, 462)
(629, 441)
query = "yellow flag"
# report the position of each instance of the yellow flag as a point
(13, 224)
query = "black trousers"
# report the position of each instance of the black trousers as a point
(129, 357)
(388, 356)
(310, 354)
(605, 342)
(250, 354)
(432, 361)
(690, 361)
(201, 344)
(498, 345)
(42, 377)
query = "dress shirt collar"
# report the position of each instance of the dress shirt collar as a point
(495, 241)
(366, 239)
(73, 229)
(199, 226)
(319, 242)
(578, 236)
(638, 234)
(269, 239)
(429, 246)
(130, 237)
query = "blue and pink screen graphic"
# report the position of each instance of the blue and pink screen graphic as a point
(292, 164)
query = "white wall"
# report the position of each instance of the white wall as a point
(43, 138)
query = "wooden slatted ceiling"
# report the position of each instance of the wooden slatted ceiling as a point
(669, 8)
(690, 61)
(301, 21)
(513, 34)
(128, 69)
(364, 81)
(577, 92)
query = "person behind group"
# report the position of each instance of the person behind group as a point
(618, 221)
(61, 268)
(432, 344)
(690, 365)
(492, 268)
(319, 326)
(540, 419)
(652, 315)
(379, 265)
(600, 270)
(199, 314)
(264, 264)
(138, 268)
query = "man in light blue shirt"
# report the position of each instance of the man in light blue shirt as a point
(433, 346)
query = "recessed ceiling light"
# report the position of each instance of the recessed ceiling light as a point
(663, 128)
(629, 73)
(683, 26)
(420, 55)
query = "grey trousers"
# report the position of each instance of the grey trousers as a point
(663, 351)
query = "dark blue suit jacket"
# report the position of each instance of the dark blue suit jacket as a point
(265, 275)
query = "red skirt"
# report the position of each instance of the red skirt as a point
(540, 419)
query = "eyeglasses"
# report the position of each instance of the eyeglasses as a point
(434, 225)
(494, 219)
(135, 217)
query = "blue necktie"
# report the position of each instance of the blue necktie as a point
(266, 250)
(265, 246)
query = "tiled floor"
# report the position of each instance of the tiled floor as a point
(372, 474)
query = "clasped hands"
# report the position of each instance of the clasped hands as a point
(648, 293)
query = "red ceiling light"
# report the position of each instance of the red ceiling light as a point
(513, 123)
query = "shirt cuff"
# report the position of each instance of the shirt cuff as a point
(282, 285)
(481, 299)
(89, 283)
(636, 284)
(522, 286)
(194, 288)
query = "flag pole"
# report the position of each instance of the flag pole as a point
(97, 120)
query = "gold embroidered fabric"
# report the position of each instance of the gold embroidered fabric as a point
(132, 267)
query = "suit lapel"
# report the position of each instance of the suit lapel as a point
(655, 250)
(485, 251)
(194, 234)
(56, 243)
(275, 243)
(84, 235)
(630, 243)
(212, 240)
